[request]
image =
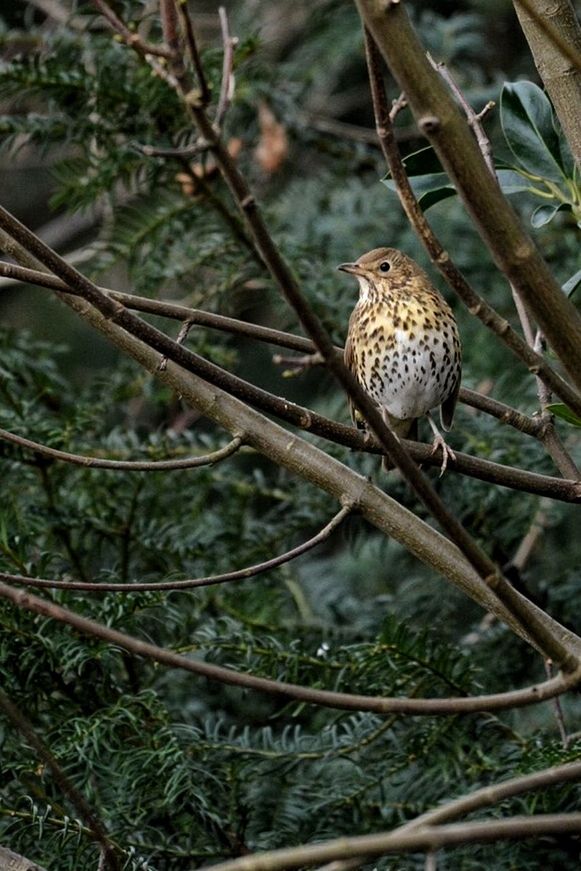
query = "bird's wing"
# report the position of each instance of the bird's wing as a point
(448, 406)
(349, 360)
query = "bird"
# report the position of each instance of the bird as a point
(403, 346)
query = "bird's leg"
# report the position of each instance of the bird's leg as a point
(440, 443)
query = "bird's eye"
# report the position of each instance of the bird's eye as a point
(385, 266)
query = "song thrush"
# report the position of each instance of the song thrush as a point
(403, 345)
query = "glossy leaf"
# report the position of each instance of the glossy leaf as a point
(572, 284)
(526, 116)
(545, 213)
(562, 411)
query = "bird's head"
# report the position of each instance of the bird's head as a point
(382, 269)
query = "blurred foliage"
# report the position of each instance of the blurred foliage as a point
(182, 771)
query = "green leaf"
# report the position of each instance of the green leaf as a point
(511, 181)
(527, 122)
(565, 413)
(572, 284)
(429, 189)
(545, 213)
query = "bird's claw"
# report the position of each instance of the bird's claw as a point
(439, 443)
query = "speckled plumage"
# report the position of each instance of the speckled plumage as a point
(403, 343)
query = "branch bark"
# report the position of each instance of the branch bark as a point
(561, 76)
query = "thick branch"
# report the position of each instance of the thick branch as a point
(553, 33)
(446, 128)
(427, 839)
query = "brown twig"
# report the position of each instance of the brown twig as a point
(440, 258)
(559, 717)
(426, 839)
(324, 698)
(474, 119)
(203, 97)
(191, 583)
(180, 339)
(185, 153)
(78, 800)
(123, 465)
(129, 36)
(227, 84)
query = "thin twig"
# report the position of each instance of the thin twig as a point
(474, 119)
(494, 793)
(77, 799)
(309, 695)
(186, 153)
(203, 98)
(227, 85)
(559, 717)
(191, 583)
(129, 36)
(123, 465)
(180, 339)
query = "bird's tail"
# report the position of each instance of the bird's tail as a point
(403, 429)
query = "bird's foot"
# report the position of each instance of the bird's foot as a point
(439, 443)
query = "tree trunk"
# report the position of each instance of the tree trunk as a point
(560, 76)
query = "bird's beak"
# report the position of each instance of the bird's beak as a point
(351, 268)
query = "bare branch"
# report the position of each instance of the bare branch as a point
(124, 465)
(203, 98)
(428, 839)
(129, 36)
(227, 86)
(474, 119)
(495, 793)
(325, 698)
(212, 580)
